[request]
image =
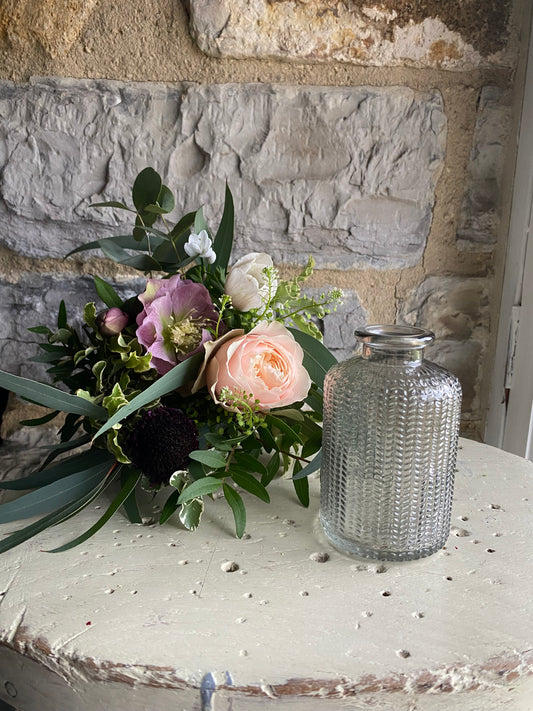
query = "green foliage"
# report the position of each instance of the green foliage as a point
(107, 385)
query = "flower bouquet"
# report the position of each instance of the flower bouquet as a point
(209, 381)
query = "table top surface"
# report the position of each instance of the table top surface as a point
(159, 605)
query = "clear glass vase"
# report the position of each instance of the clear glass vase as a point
(391, 425)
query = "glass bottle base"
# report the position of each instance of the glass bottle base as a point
(345, 545)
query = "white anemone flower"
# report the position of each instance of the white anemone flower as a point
(200, 245)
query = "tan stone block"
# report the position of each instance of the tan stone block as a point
(451, 35)
(55, 24)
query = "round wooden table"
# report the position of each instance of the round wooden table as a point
(149, 617)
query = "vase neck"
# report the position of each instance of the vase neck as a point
(395, 345)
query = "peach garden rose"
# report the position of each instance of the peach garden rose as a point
(265, 363)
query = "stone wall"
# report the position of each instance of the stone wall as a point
(376, 136)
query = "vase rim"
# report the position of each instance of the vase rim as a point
(395, 336)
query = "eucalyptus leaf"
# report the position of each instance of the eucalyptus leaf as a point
(166, 199)
(183, 226)
(130, 502)
(124, 241)
(55, 450)
(52, 496)
(170, 506)
(199, 222)
(112, 203)
(49, 396)
(146, 188)
(71, 465)
(119, 499)
(142, 262)
(312, 466)
(54, 518)
(37, 422)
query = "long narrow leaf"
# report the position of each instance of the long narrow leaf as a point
(301, 487)
(54, 518)
(55, 450)
(40, 420)
(237, 506)
(106, 292)
(143, 262)
(52, 496)
(171, 505)
(317, 358)
(49, 396)
(42, 477)
(130, 503)
(179, 375)
(224, 237)
(249, 483)
(283, 427)
(125, 241)
(119, 499)
(313, 466)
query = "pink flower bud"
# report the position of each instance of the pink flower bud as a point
(112, 321)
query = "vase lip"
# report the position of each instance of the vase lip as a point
(395, 336)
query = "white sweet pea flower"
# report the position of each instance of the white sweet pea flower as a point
(200, 245)
(247, 282)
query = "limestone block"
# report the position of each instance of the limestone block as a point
(34, 301)
(479, 216)
(453, 35)
(456, 309)
(338, 327)
(55, 24)
(346, 174)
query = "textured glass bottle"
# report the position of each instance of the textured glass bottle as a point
(391, 424)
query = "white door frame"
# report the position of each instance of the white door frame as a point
(510, 415)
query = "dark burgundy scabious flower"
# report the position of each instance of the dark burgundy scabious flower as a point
(160, 443)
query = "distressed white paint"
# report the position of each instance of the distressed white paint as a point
(169, 628)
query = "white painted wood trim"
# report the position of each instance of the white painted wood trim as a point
(505, 429)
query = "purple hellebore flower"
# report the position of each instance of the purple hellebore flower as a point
(175, 321)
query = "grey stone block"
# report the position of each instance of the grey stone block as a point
(478, 223)
(345, 174)
(338, 326)
(456, 309)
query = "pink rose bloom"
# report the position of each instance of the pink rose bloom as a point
(265, 363)
(175, 321)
